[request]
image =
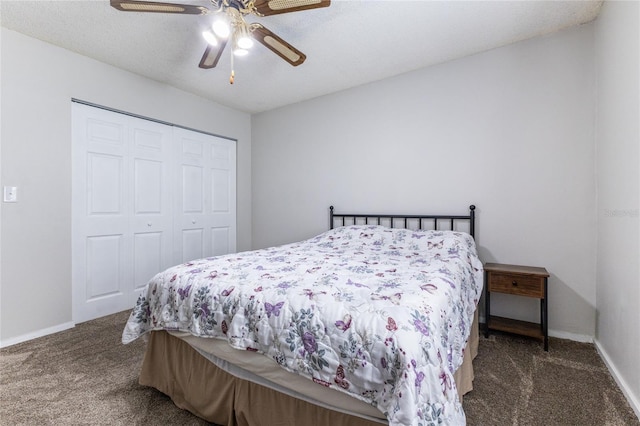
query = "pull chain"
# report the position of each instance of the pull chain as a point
(233, 74)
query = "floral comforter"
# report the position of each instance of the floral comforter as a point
(381, 314)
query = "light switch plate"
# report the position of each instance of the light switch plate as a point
(10, 194)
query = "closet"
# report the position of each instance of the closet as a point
(146, 195)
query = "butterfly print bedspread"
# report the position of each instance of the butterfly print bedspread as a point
(381, 314)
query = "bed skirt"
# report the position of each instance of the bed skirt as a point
(195, 384)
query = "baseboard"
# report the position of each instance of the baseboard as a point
(571, 336)
(622, 384)
(40, 333)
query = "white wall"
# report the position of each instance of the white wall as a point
(618, 186)
(510, 130)
(38, 82)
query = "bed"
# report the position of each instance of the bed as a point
(372, 322)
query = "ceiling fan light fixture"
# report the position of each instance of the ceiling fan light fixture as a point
(221, 27)
(210, 37)
(245, 42)
(242, 37)
(238, 51)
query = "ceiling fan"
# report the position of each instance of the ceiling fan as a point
(229, 25)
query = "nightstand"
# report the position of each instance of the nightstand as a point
(528, 281)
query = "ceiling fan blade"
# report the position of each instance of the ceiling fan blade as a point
(212, 55)
(278, 46)
(274, 7)
(153, 6)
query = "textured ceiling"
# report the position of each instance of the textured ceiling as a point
(347, 44)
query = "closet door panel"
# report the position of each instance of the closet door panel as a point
(148, 250)
(193, 246)
(220, 240)
(223, 196)
(105, 175)
(205, 196)
(192, 190)
(148, 187)
(105, 276)
(152, 209)
(101, 239)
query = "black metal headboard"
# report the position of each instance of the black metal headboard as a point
(391, 219)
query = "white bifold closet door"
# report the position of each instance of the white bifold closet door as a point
(204, 196)
(146, 196)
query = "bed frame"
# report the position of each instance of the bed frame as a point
(422, 221)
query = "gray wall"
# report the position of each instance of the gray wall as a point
(510, 130)
(38, 82)
(618, 183)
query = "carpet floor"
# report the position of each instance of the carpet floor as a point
(85, 376)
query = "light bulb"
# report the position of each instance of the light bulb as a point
(240, 52)
(210, 37)
(221, 28)
(245, 42)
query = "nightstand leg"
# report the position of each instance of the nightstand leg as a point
(486, 305)
(545, 319)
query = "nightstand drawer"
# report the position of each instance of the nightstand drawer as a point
(521, 285)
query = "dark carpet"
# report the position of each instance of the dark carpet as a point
(85, 376)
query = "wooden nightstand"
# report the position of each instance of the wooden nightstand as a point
(526, 281)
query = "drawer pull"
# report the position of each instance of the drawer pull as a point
(514, 283)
